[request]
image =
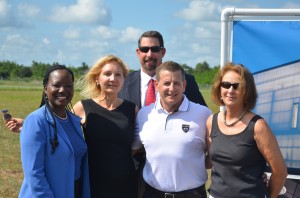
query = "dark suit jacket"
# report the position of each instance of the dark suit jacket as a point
(131, 89)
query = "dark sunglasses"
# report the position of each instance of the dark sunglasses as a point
(227, 85)
(153, 49)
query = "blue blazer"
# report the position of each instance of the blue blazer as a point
(131, 89)
(46, 174)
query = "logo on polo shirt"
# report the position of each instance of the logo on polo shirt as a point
(185, 127)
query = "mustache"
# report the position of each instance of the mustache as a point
(150, 59)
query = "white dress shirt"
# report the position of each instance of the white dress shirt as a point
(145, 78)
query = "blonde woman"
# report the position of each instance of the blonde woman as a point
(108, 125)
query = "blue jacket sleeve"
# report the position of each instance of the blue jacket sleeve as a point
(33, 140)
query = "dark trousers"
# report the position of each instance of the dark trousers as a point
(151, 192)
(141, 159)
(77, 188)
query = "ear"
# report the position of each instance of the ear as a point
(163, 51)
(184, 85)
(45, 90)
(155, 84)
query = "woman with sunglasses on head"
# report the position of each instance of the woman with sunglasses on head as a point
(240, 143)
(53, 150)
(108, 125)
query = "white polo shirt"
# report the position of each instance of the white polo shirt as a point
(174, 144)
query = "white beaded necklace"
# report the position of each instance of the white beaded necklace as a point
(232, 124)
(65, 118)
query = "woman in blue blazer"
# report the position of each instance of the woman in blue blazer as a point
(53, 150)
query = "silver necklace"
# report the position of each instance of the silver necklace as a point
(65, 118)
(232, 124)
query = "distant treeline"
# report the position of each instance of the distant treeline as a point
(204, 74)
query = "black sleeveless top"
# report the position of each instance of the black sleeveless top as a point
(109, 135)
(238, 165)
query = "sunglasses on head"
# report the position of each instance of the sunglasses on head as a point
(227, 85)
(153, 49)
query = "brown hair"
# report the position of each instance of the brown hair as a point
(153, 34)
(169, 66)
(247, 85)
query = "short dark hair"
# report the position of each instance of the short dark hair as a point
(247, 85)
(154, 34)
(169, 66)
(47, 74)
(53, 68)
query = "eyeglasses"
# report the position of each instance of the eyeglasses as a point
(153, 49)
(227, 85)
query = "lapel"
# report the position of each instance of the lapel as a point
(131, 89)
(60, 130)
(138, 88)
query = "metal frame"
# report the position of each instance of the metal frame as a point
(228, 15)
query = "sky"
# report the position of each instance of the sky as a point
(72, 32)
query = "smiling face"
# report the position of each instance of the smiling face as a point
(111, 78)
(59, 89)
(170, 87)
(150, 60)
(230, 96)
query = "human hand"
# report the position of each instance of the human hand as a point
(265, 179)
(15, 124)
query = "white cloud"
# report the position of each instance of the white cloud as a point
(4, 8)
(72, 33)
(46, 41)
(28, 10)
(16, 17)
(84, 11)
(104, 32)
(60, 56)
(291, 5)
(16, 39)
(6, 15)
(130, 34)
(200, 10)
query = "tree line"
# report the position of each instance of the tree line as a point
(9, 70)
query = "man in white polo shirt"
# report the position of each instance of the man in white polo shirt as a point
(172, 131)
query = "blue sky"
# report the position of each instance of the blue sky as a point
(72, 32)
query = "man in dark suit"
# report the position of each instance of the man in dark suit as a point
(150, 52)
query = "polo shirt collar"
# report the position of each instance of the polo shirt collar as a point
(185, 105)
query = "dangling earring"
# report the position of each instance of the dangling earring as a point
(97, 84)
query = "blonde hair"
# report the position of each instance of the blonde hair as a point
(88, 85)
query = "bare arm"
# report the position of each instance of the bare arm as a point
(208, 163)
(136, 141)
(79, 111)
(268, 146)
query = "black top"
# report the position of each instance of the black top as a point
(109, 135)
(238, 165)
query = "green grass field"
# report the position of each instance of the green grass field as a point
(21, 98)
